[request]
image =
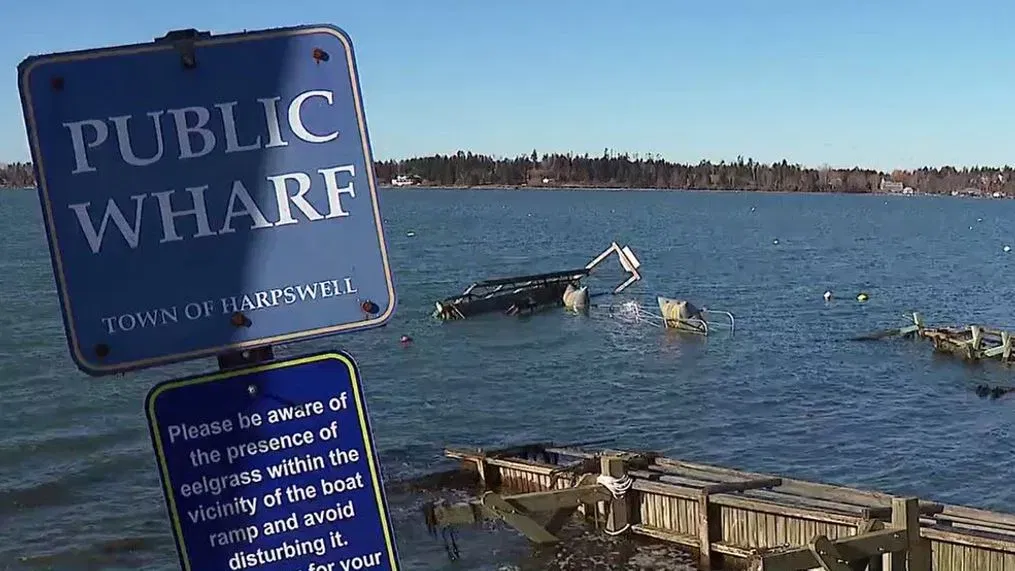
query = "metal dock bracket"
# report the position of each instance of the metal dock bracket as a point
(908, 550)
(521, 510)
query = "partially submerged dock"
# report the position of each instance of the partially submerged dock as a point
(729, 518)
(972, 342)
(520, 295)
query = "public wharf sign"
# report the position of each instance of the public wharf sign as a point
(205, 194)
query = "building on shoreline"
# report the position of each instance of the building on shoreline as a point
(894, 187)
(405, 180)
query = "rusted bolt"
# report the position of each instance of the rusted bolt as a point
(56, 83)
(102, 350)
(240, 320)
(320, 55)
(370, 307)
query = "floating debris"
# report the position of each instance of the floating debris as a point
(576, 298)
(985, 391)
(828, 296)
(862, 297)
(972, 343)
(525, 294)
(677, 314)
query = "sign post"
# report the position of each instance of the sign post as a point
(206, 194)
(272, 467)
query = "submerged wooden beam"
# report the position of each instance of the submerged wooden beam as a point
(520, 510)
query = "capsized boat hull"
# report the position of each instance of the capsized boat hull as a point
(525, 294)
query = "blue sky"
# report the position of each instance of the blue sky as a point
(882, 84)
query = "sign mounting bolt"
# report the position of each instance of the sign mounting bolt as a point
(101, 350)
(240, 320)
(370, 307)
(320, 55)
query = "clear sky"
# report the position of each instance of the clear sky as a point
(879, 83)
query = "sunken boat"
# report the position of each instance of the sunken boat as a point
(525, 294)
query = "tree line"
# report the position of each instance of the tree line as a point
(622, 170)
(16, 175)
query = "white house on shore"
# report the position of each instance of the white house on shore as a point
(403, 180)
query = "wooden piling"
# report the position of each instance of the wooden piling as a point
(906, 516)
(617, 510)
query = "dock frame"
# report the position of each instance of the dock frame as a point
(531, 292)
(727, 516)
(972, 343)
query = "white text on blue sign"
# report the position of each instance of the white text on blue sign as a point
(191, 130)
(290, 486)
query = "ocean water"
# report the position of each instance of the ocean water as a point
(789, 393)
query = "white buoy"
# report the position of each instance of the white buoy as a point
(1007, 248)
(776, 241)
(410, 233)
(979, 219)
(828, 296)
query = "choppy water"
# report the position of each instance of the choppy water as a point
(787, 394)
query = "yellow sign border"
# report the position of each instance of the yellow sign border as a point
(361, 413)
(93, 368)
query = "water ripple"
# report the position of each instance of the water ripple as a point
(787, 394)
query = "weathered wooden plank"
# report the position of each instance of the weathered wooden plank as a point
(969, 539)
(810, 489)
(777, 495)
(975, 514)
(753, 484)
(664, 489)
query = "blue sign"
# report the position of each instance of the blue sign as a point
(272, 468)
(205, 194)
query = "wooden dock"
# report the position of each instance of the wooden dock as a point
(972, 342)
(731, 519)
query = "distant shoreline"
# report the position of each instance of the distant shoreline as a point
(562, 188)
(623, 172)
(572, 187)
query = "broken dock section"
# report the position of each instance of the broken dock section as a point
(730, 518)
(972, 342)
